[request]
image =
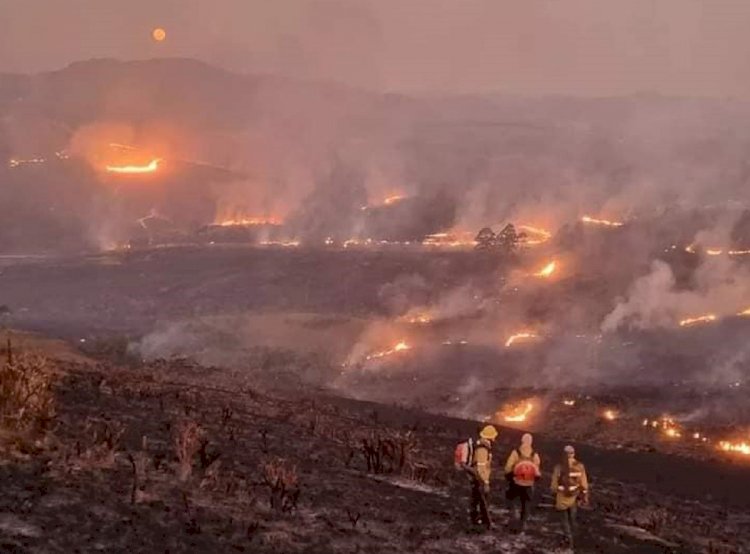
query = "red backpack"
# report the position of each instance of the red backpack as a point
(525, 469)
(463, 454)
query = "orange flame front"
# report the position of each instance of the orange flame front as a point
(604, 222)
(399, 347)
(151, 167)
(522, 336)
(739, 447)
(708, 318)
(516, 413)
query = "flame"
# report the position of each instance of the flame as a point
(248, 221)
(740, 447)
(547, 270)
(285, 244)
(151, 167)
(463, 239)
(515, 413)
(739, 252)
(393, 199)
(610, 415)
(401, 346)
(669, 427)
(569, 402)
(524, 335)
(417, 319)
(714, 251)
(699, 319)
(387, 201)
(539, 235)
(690, 249)
(744, 313)
(604, 222)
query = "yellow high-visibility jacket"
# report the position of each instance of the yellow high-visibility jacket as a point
(566, 497)
(482, 461)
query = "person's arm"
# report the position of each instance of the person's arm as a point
(584, 486)
(538, 464)
(555, 479)
(512, 461)
(482, 461)
(584, 481)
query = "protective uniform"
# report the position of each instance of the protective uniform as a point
(569, 484)
(521, 483)
(479, 474)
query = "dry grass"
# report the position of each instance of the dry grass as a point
(188, 439)
(282, 482)
(27, 401)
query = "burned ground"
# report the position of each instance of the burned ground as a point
(369, 478)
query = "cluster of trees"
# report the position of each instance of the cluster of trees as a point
(505, 241)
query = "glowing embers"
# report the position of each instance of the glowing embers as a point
(130, 169)
(281, 243)
(698, 320)
(610, 414)
(400, 346)
(418, 318)
(523, 336)
(450, 240)
(739, 447)
(515, 412)
(547, 271)
(670, 428)
(744, 313)
(569, 402)
(717, 251)
(249, 221)
(601, 222)
(17, 162)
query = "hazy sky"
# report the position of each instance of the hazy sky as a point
(589, 47)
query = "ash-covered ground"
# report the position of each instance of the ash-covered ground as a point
(114, 477)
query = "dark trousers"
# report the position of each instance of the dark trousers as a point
(568, 518)
(478, 507)
(524, 496)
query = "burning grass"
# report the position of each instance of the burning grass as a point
(547, 271)
(515, 412)
(400, 346)
(150, 167)
(601, 222)
(701, 319)
(522, 336)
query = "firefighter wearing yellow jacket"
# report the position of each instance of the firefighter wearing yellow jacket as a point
(479, 472)
(570, 486)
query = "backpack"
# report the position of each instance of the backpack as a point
(525, 470)
(464, 454)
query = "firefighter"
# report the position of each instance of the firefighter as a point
(479, 474)
(522, 469)
(571, 487)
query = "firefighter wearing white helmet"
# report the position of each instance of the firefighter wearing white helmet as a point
(522, 470)
(475, 458)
